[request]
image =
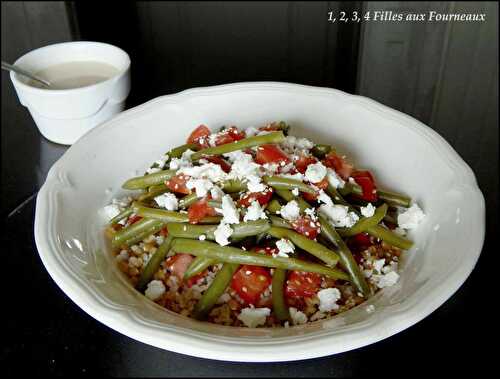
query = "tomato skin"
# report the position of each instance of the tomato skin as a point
(178, 264)
(262, 197)
(133, 219)
(178, 184)
(339, 164)
(304, 161)
(199, 210)
(229, 135)
(164, 231)
(250, 281)
(226, 167)
(359, 242)
(235, 133)
(271, 154)
(199, 136)
(367, 182)
(302, 284)
(307, 227)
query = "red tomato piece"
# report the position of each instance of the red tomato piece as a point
(309, 196)
(164, 231)
(226, 167)
(273, 126)
(302, 284)
(133, 219)
(200, 210)
(268, 250)
(250, 281)
(235, 133)
(306, 226)
(178, 264)
(178, 184)
(367, 183)
(199, 136)
(339, 164)
(359, 242)
(262, 197)
(229, 135)
(304, 161)
(271, 154)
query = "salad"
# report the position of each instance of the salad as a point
(257, 227)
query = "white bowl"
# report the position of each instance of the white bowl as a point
(404, 154)
(63, 116)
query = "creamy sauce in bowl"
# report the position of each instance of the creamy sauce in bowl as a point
(75, 74)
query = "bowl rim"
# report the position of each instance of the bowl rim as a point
(122, 322)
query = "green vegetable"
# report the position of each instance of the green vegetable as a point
(394, 199)
(154, 264)
(241, 230)
(136, 232)
(123, 214)
(273, 206)
(233, 185)
(346, 261)
(153, 191)
(365, 223)
(279, 222)
(216, 289)
(160, 214)
(146, 181)
(319, 150)
(289, 196)
(187, 200)
(280, 183)
(273, 137)
(179, 150)
(279, 305)
(390, 237)
(234, 255)
(199, 264)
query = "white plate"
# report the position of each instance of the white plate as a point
(404, 154)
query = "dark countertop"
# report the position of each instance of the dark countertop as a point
(46, 333)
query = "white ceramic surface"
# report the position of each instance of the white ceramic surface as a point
(404, 154)
(63, 116)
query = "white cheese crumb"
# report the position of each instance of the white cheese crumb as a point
(224, 298)
(370, 308)
(251, 131)
(328, 298)
(167, 201)
(315, 172)
(216, 193)
(230, 214)
(201, 186)
(254, 212)
(155, 289)
(400, 231)
(111, 210)
(368, 211)
(334, 179)
(297, 316)
(202, 237)
(411, 217)
(254, 184)
(290, 211)
(295, 192)
(253, 317)
(324, 198)
(339, 215)
(378, 264)
(123, 256)
(386, 280)
(210, 171)
(285, 247)
(311, 212)
(222, 233)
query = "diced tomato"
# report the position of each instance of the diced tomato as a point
(367, 183)
(223, 139)
(306, 226)
(359, 242)
(229, 135)
(339, 164)
(268, 250)
(250, 281)
(309, 196)
(199, 136)
(178, 264)
(226, 167)
(133, 219)
(313, 196)
(199, 210)
(235, 133)
(271, 154)
(271, 127)
(164, 231)
(302, 284)
(304, 161)
(262, 197)
(178, 184)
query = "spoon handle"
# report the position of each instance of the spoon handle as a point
(18, 70)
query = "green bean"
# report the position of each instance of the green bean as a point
(279, 222)
(390, 237)
(347, 261)
(154, 264)
(234, 255)
(273, 137)
(279, 305)
(281, 126)
(280, 183)
(350, 188)
(136, 232)
(320, 150)
(141, 182)
(216, 289)
(198, 265)
(160, 214)
(289, 196)
(233, 185)
(365, 222)
(273, 206)
(241, 230)
(336, 196)
(394, 199)
(187, 200)
(312, 247)
(179, 150)
(214, 203)
(153, 191)
(210, 220)
(123, 214)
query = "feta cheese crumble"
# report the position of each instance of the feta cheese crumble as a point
(210, 171)
(254, 212)
(295, 192)
(254, 184)
(285, 247)
(230, 214)
(339, 215)
(222, 233)
(315, 172)
(155, 289)
(328, 298)
(386, 280)
(324, 198)
(368, 211)
(411, 217)
(297, 316)
(201, 186)
(167, 201)
(251, 131)
(253, 317)
(290, 211)
(216, 193)
(334, 179)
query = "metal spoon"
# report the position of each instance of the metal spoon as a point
(9, 67)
